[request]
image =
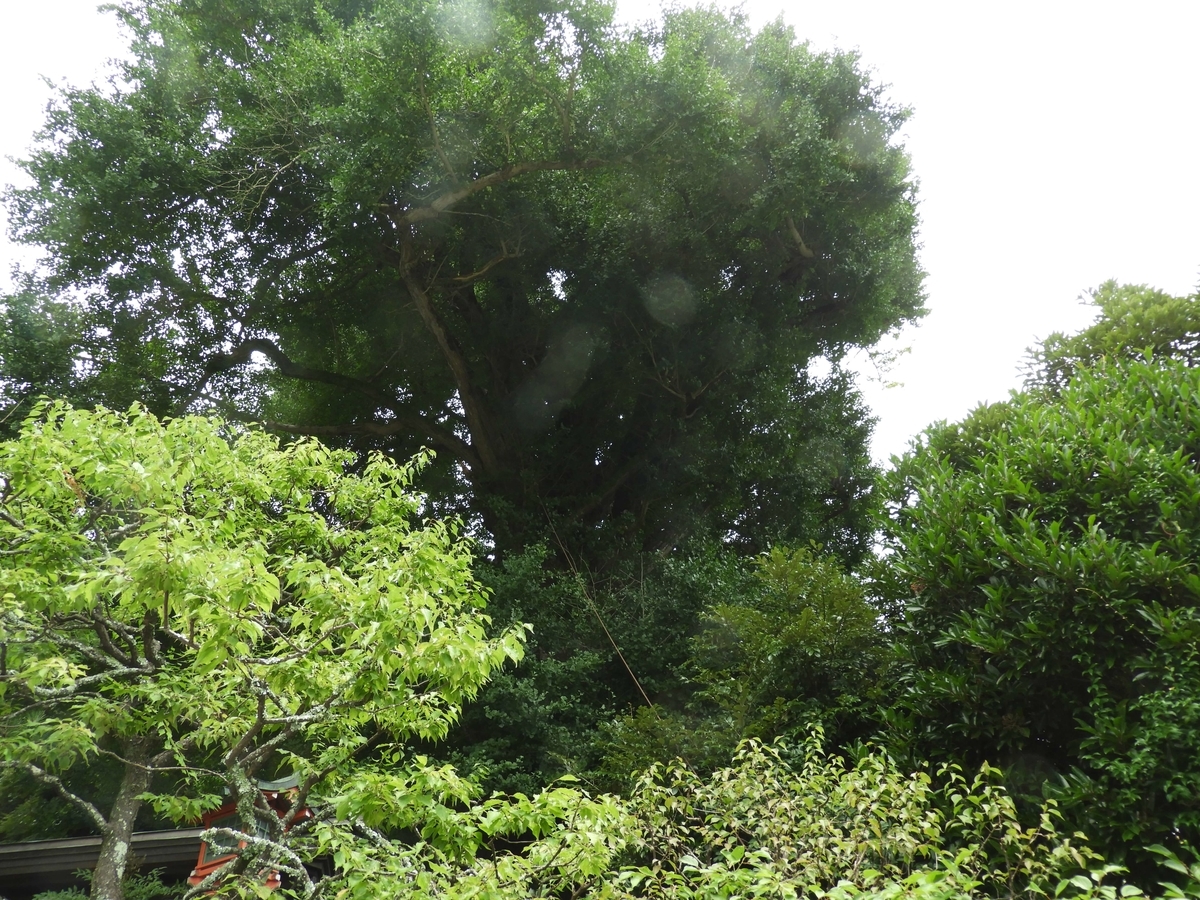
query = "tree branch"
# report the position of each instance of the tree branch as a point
(172, 752)
(478, 420)
(15, 523)
(254, 731)
(317, 777)
(241, 354)
(52, 781)
(453, 198)
(150, 645)
(502, 256)
(804, 249)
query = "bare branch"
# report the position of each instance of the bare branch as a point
(453, 198)
(54, 782)
(87, 681)
(153, 766)
(477, 418)
(490, 264)
(150, 645)
(254, 731)
(46, 632)
(11, 520)
(180, 640)
(298, 652)
(405, 420)
(800, 245)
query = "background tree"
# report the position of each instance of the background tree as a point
(786, 643)
(1045, 552)
(588, 265)
(39, 351)
(1132, 321)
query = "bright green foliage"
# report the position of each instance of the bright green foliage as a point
(557, 843)
(822, 828)
(191, 595)
(1047, 549)
(1132, 321)
(588, 265)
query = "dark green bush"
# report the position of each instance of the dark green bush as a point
(1047, 549)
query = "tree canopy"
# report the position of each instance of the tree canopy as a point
(589, 265)
(1044, 552)
(204, 608)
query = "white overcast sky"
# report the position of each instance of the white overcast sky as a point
(1056, 145)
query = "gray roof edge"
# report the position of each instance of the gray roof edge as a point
(81, 852)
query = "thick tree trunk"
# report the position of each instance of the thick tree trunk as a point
(114, 847)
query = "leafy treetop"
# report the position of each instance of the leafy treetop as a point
(589, 265)
(1044, 553)
(1131, 321)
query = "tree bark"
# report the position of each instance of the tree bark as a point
(114, 846)
(479, 420)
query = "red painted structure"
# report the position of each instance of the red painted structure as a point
(214, 854)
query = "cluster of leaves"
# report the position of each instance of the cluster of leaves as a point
(801, 648)
(822, 827)
(1045, 550)
(190, 598)
(777, 821)
(141, 555)
(591, 266)
(1133, 321)
(787, 641)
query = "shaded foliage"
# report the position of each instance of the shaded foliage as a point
(785, 643)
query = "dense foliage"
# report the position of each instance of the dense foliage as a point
(1041, 550)
(587, 264)
(204, 608)
(1133, 322)
(819, 826)
(1047, 551)
(786, 642)
(593, 268)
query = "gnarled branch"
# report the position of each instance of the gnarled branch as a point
(405, 420)
(478, 420)
(407, 218)
(41, 775)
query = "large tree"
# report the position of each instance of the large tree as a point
(588, 265)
